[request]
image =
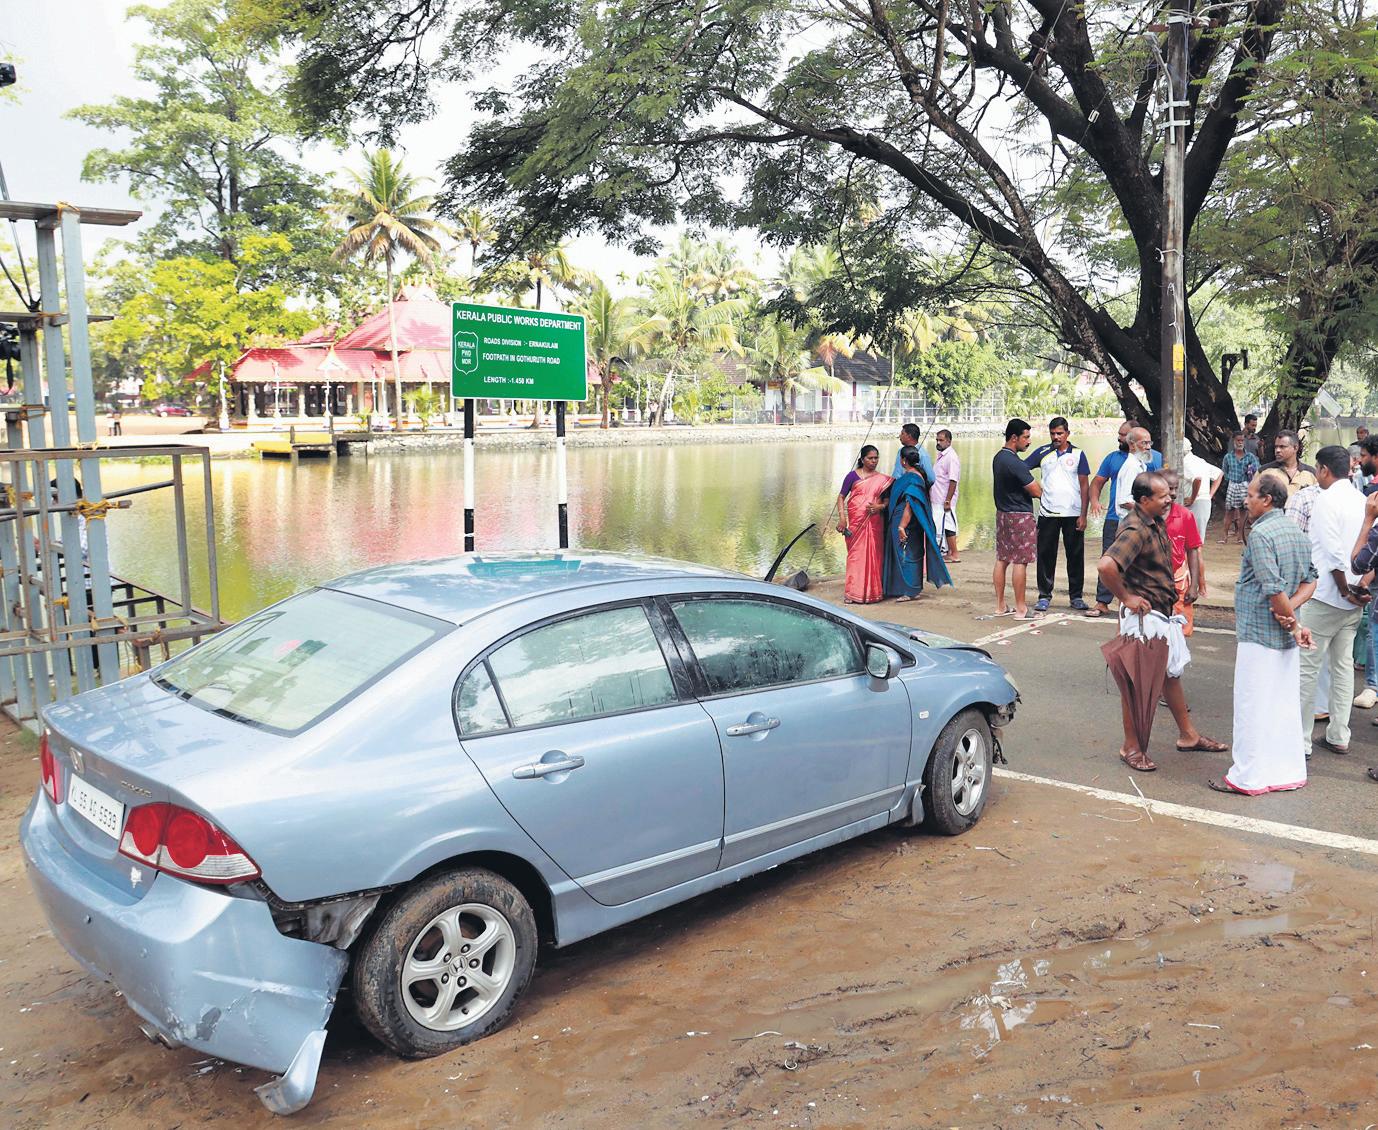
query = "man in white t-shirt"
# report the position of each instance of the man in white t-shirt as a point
(947, 474)
(1200, 481)
(1066, 480)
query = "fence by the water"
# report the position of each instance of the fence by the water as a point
(890, 405)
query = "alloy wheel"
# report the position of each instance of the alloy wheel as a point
(458, 967)
(969, 771)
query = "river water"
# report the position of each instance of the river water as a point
(282, 528)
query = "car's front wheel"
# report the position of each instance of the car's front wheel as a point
(957, 778)
(446, 963)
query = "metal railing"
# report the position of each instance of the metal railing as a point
(64, 616)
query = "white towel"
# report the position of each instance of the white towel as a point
(1155, 626)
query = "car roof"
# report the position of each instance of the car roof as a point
(458, 589)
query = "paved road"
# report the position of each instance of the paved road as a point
(1068, 726)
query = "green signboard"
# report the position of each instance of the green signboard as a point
(507, 353)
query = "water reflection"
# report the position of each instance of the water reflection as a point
(282, 528)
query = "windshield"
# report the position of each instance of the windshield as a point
(289, 666)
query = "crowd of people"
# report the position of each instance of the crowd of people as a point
(902, 527)
(1308, 571)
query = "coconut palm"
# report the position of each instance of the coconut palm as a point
(828, 348)
(809, 267)
(692, 329)
(721, 273)
(474, 228)
(388, 218)
(779, 353)
(616, 331)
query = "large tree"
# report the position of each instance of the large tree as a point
(1020, 126)
(213, 143)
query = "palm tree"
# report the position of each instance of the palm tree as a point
(916, 332)
(616, 331)
(388, 218)
(828, 348)
(779, 353)
(691, 327)
(475, 228)
(809, 267)
(721, 273)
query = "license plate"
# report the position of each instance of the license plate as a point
(101, 809)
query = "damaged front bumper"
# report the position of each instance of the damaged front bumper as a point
(201, 967)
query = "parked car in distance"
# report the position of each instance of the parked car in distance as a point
(171, 410)
(412, 775)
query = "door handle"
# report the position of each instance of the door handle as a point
(545, 768)
(741, 729)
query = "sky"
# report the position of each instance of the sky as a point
(71, 52)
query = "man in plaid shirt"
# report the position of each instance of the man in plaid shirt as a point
(1240, 466)
(1276, 577)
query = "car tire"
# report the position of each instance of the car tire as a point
(957, 778)
(429, 930)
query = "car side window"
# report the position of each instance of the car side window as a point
(477, 705)
(745, 644)
(600, 663)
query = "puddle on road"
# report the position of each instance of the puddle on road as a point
(1262, 876)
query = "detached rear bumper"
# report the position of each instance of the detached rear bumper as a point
(203, 968)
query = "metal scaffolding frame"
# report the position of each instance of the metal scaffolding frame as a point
(63, 615)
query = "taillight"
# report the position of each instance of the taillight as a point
(52, 780)
(184, 843)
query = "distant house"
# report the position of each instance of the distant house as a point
(862, 374)
(320, 375)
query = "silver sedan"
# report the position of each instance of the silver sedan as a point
(413, 776)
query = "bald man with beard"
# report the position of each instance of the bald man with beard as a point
(1137, 458)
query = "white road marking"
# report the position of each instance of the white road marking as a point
(1022, 626)
(1208, 816)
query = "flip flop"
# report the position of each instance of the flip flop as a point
(1224, 787)
(1093, 613)
(1373, 774)
(1204, 745)
(1342, 750)
(996, 615)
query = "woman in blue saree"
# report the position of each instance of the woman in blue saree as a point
(911, 540)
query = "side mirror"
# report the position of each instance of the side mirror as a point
(881, 662)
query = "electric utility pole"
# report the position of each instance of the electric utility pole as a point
(1173, 350)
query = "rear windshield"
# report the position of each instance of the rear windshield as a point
(292, 664)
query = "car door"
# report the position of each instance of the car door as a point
(596, 748)
(810, 742)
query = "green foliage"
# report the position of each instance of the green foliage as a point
(954, 373)
(187, 312)
(706, 399)
(779, 355)
(425, 404)
(617, 332)
(205, 142)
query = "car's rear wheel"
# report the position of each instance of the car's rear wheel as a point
(957, 778)
(446, 963)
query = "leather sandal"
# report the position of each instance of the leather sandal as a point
(1137, 759)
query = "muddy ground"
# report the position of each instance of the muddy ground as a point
(1069, 963)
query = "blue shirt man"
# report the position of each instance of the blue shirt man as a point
(1109, 471)
(910, 437)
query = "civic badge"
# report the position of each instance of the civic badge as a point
(76, 760)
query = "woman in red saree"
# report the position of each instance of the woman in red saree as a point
(861, 520)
